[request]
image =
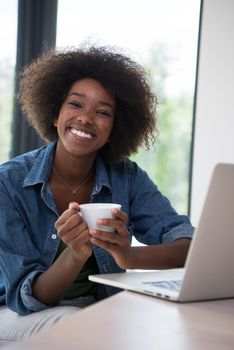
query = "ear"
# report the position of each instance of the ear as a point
(56, 123)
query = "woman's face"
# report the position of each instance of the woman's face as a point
(86, 118)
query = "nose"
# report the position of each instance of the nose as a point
(85, 117)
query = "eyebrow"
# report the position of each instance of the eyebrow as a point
(83, 95)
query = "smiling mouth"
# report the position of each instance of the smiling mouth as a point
(82, 134)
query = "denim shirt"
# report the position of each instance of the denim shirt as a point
(28, 238)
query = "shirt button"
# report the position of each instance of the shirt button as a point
(54, 236)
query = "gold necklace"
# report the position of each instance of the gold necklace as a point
(74, 190)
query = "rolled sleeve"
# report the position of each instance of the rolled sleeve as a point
(31, 303)
(184, 230)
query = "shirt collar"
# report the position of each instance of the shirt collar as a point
(41, 170)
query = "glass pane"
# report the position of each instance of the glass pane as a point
(8, 36)
(161, 35)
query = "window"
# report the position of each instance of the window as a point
(162, 35)
(8, 36)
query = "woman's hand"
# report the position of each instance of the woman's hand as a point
(73, 230)
(117, 243)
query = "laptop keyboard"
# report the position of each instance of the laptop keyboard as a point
(172, 285)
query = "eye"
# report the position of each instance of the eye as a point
(74, 104)
(104, 114)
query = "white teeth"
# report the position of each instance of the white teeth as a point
(81, 134)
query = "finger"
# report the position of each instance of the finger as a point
(73, 222)
(68, 235)
(73, 205)
(118, 214)
(117, 225)
(104, 245)
(67, 221)
(73, 208)
(79, 240)
(64, 217)
(104, 236)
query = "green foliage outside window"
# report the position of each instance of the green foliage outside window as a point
(167, 162)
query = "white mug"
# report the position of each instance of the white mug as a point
(91, 212)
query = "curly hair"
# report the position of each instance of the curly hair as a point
(45, 83)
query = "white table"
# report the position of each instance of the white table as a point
(130, 321)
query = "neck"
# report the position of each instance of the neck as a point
(72, 168)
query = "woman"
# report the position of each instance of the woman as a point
(95, 108)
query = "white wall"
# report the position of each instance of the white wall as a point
(214, 126)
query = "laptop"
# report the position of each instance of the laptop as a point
(208, 271)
